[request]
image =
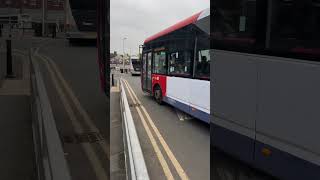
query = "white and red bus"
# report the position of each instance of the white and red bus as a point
(176, 66)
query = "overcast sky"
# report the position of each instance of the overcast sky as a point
(138, 19)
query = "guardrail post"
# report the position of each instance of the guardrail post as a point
(9, 60)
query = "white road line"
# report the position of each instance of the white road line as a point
(82, 111)
(154, 144)
(165, 146)
(93, 158)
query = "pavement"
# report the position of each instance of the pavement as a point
(20, 85)
(17, 151)
(117, 160)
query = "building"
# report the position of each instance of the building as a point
(33, 8)
(32, 4)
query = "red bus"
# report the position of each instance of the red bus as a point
(176, 66)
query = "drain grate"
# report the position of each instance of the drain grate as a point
(134, 105)
(87, 137)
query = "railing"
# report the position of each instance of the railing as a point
(135, 164)
(50, 160)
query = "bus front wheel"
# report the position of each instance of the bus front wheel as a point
(158, 94)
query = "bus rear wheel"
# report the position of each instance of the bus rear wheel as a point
(158, 94)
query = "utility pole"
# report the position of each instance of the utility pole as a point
(9, 14)
(9, 48)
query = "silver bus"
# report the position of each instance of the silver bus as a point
(265, 84)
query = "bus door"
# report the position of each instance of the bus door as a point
(144, 71)
(149, 66)
(146, 77)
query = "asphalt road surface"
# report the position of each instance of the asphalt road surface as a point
(80, 108)
(172, 148)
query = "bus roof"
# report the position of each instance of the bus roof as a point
(190, 20)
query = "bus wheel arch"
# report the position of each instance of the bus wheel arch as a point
(157, 93)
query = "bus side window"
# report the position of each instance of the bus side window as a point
(234, 24)
(295, 27)
(203, 64)
(179, 63)
(159, 59)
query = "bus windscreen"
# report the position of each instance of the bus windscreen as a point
(136, 64)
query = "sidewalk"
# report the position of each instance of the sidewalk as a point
(20, 85)
(17, 153)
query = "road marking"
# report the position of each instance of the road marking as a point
(75, 100)
(154, 144)
(165, 146)
(93, 159)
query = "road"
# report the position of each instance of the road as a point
(225, 167)
(79, 106)
(172, 148)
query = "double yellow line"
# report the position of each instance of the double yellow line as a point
(57, 77)
(145, 117)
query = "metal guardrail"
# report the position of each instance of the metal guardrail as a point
(50, 160)
(135, 164)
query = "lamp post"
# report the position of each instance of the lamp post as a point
(123, 39)
(22, 9)
(8, 3)
(10, 73)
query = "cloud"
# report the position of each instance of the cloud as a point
(139, 19)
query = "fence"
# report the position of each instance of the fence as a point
(135, 164)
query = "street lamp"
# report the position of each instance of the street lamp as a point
(123, 39)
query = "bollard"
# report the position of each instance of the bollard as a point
(9, 60)
(112, 80)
